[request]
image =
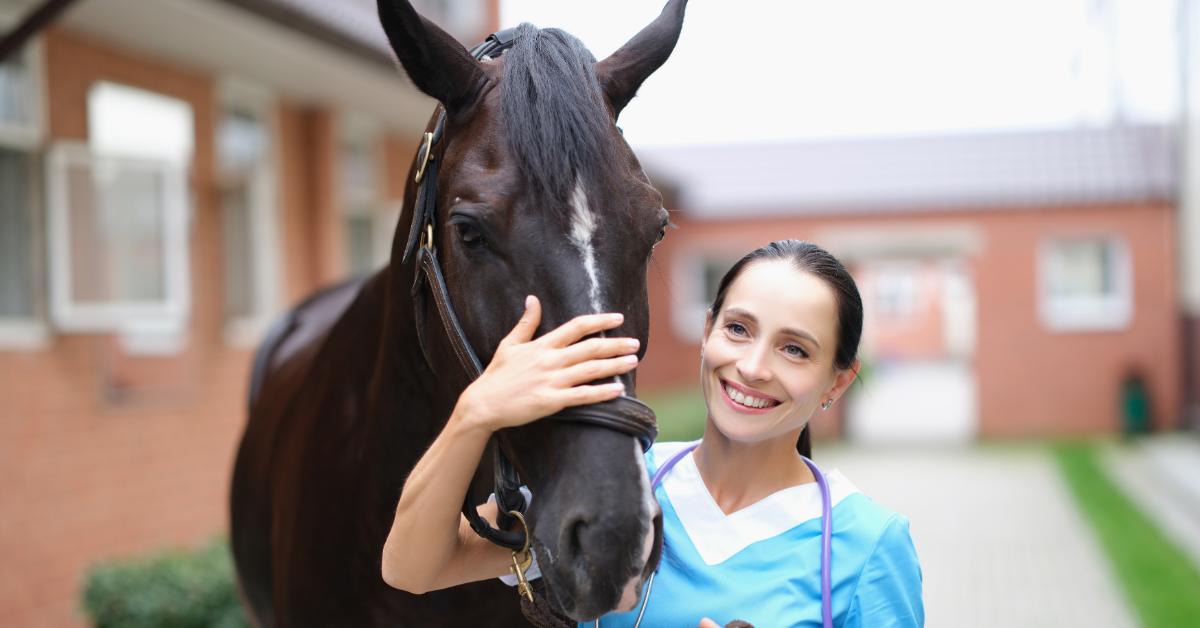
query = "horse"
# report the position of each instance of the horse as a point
(529, 188)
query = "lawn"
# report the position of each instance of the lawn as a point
(681, 413)
(1160, 581)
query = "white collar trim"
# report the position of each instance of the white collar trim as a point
(717, 536)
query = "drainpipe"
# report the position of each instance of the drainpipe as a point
(1188, 212)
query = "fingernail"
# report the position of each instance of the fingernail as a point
(618, 317)
(629, 359)
(529, 301)
(633, 343)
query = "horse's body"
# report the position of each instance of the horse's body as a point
(343, 401)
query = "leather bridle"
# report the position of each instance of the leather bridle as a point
(624, 414)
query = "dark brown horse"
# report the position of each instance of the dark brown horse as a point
(536, 193)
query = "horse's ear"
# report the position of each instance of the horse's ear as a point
(623, 72)
(437, 64)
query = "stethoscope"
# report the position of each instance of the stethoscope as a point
(826, 535)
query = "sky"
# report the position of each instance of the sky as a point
(786, 70)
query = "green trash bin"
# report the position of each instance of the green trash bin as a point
(1135, 406)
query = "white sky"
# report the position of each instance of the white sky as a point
(778, 70)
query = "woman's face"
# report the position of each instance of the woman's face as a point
(767, 358)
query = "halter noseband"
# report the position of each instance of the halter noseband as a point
(624, 414)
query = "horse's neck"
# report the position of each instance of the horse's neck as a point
(403, 405)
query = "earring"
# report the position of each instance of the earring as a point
(827, 404)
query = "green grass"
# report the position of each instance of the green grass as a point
(1159, 579)
(681, 413)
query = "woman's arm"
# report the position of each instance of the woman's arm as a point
(430, 545)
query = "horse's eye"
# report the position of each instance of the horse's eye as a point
(662, 233)
(469, 235)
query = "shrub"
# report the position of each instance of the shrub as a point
(171, 589)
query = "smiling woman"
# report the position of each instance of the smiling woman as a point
(752, 529)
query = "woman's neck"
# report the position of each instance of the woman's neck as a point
(738, 475)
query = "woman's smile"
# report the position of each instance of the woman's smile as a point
(745, 399)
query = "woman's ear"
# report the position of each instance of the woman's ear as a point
(842, 381)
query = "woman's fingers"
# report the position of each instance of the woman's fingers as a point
(597, 369)
(571, 331)
(524, 329)
(584, 395)
(594, 348)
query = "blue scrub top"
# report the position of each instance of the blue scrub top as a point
(762, 564)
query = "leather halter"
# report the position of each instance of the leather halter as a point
(624, 414)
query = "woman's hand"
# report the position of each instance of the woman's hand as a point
(529, 379)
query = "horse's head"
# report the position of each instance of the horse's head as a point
(538, 193)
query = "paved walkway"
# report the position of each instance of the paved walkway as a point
(1161, 475)
(1000, 539)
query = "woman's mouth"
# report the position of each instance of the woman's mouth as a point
(744, 400)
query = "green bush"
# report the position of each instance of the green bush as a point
(171, 589)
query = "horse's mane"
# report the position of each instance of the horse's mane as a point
(557, 123)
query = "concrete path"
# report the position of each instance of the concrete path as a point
(1161, 475)
(1001, 541)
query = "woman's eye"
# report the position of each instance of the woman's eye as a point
(795, 351)
(469, 236)
(737, 329)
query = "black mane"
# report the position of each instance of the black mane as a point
(557, 121)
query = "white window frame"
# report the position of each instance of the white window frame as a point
(1080, 313)
(267, 255)
(28, 333)
(383, 215)
(145, 326)
(687, 275)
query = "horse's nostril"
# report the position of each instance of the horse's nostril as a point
(574, 537)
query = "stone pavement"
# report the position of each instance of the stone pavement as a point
(1001, 541)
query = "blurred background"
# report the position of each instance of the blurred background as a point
(1014, 185)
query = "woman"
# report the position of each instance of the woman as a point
(742, 512)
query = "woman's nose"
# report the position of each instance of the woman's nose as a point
(753, 366)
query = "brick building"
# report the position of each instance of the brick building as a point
(256, 150)
(1014, 283)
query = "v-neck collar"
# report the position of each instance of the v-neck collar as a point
(718, 536)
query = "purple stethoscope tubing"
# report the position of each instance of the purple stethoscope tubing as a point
(826, 525)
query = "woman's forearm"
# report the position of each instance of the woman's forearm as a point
(424, 539)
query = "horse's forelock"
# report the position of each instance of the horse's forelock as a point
(557, 124)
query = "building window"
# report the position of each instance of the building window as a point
(1085, 283)
(697, 276)
(249, 214)
(21, 325)
(362, 199)
(117, 221)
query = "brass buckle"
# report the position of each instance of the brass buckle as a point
(426, 153)
(521, 560)
(427, 237)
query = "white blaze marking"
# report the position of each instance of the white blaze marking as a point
(583, 227)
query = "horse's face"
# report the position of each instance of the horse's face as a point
(539, 194)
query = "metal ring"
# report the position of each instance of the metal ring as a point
(426, 153)
(427, 237)
(525, 526)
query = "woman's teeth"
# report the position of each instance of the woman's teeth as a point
(747, 400)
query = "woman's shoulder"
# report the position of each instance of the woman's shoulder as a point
(660, 452)
(871, 531)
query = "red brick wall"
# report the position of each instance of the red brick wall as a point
(104, 454)
(1031, 381)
